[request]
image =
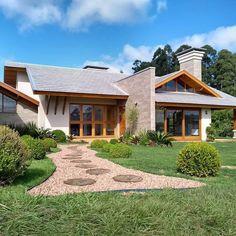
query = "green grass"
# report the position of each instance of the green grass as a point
(210, 210)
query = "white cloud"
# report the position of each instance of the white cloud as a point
(31, 12)
(222, 37)
(161, 5)
(125, 59)
(83, 13)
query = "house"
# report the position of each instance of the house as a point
(91, 102)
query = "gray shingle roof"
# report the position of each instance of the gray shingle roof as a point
(194, 98)
(161, 78)
(71, 80)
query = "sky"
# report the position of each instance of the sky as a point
(110, 33)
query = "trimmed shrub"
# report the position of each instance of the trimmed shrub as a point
(211, 133)
(199, 159)
(36, 148)
(14, 155)
(114, 141)
(98, 143)
(49, 143)
(107, 147)
(44, 133)
(25, 137)
(59, 136)
(120, 151)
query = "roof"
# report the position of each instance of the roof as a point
(159, 79)
(71, 80)
(194, 98)
(18, 93)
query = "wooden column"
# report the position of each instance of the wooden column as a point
(234, 119)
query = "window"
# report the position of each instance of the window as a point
(92, 120)
(191, 123)
(174, 122)
(171, 86)
(160, 118)
(180, 86)
(7, 104)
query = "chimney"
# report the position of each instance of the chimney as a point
(91, 67)
(191, 61)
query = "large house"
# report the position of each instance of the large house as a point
(91, 102)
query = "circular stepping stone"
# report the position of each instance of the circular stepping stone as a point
(81, 161)
(98, 171)
(80, 182)
(128, 178)
(85, 166)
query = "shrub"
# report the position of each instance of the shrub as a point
(114, 141)
(25, 137)
(159, 138)
(120, 151)
(125, 138)
(25, 129)
(211, 133)
(199, 159)
(49, 143)
(36, 148)
(44, 133)
(98, 143)
(134, 139)
(107, 147)
(59, 135)
(143, 138)
(14, 155)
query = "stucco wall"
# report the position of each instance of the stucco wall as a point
(205, 122)
(141, 90)
(24, 114)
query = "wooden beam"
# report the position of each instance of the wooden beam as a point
(48, 103)
(64, 106)
(82, 95)
(234, 119)
(56, 104)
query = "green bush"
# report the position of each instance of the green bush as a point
(98, 143)
(14, 155)
(25, 137)
(49, 143)
(114, 141)
(143, 138)
(59, 136)
(36, 148)
(199, 159)
(107, 147)
(211, 133)
(25, 129)
(159, 138)
(120, 151)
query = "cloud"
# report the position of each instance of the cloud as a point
(161, 5)
(31, 12)
(220, 38)
(83, 13)
(124, 60)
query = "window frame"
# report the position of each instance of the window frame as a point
(3, 107)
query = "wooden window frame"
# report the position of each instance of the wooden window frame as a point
(3, 107)
(104, 122)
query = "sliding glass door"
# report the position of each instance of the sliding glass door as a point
(179, 123)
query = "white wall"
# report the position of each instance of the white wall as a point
(205, 122)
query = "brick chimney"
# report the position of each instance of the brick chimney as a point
(191, 61)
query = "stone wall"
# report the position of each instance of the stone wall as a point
(141, 90)
(24, 114)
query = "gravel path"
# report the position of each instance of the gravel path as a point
(68, 169)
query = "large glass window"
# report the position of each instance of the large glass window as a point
(160, 118)
(174, 122)
(171, 86)
(191, 123)
(7, 104)
(92, 120)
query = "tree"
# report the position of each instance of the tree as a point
(139, 65)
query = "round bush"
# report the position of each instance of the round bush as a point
(26, 136)
(49, 143)
(107, 147)
(199, 159)
(114, 141)
(14, 155)
(59, 135)
(36, 148)
(120, 151)
(98, 143)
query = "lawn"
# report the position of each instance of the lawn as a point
(210, 210)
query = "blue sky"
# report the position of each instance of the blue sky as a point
(115, 33)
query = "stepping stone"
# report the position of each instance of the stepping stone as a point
(85, 166)
(229, 167)
(98, 171)
(71, 157)
(81, 161)
(128, 178)
(72, 148)
(80, 182)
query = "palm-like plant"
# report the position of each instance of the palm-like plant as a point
(160, 138)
